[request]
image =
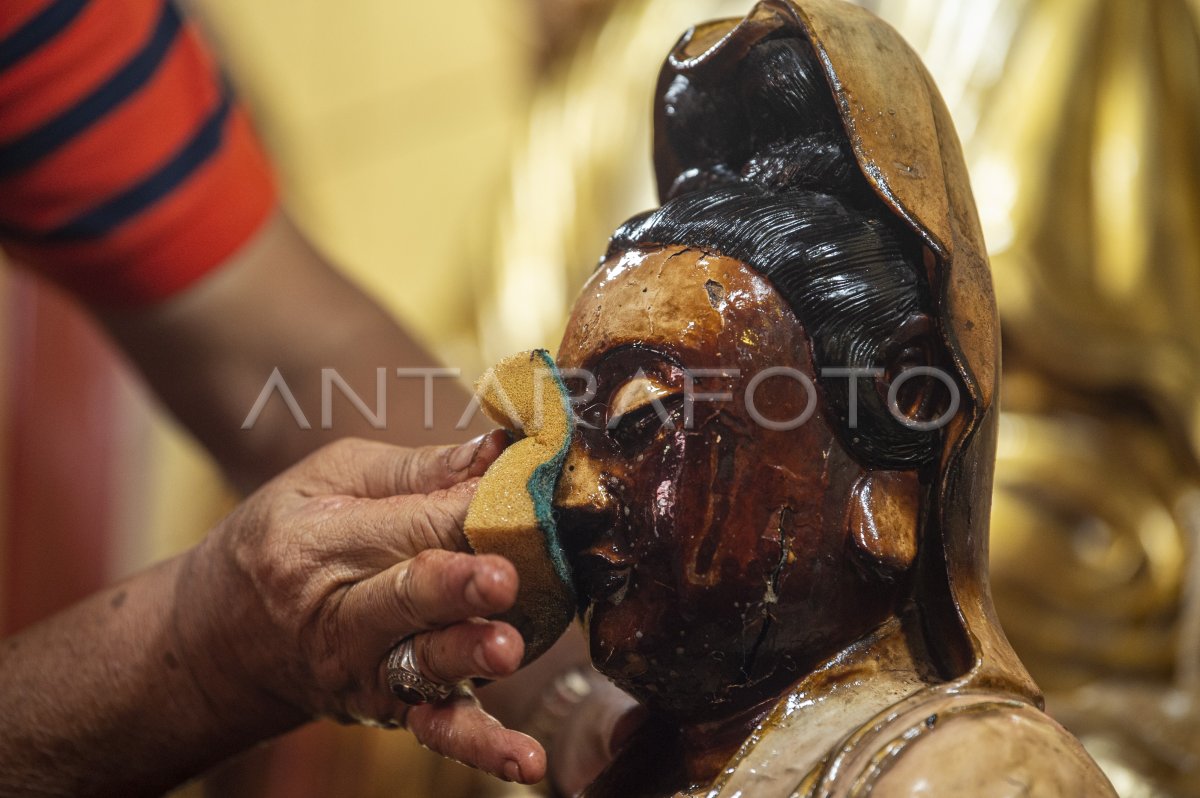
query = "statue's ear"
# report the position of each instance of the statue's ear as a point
(882, 519)
(923, 398)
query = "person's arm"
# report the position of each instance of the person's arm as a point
(209, 351)
(208, 354)
(286, 611)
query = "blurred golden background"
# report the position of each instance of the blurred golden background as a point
(454, 156)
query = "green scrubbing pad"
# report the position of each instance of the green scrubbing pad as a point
(511, 513)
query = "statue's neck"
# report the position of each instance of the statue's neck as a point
(878, 665)
(707, 747)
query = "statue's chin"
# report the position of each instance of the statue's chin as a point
(694, 669)
(682, 690)
(667, 685)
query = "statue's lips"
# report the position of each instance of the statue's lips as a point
(601, 576)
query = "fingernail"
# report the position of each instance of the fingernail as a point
(512, 770)
(481, 662)
(462, 457)
(474, 591)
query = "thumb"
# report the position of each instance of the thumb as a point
(372, 470)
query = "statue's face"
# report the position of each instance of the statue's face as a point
(712, 561)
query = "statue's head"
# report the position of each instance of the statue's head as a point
(726, 545)
(737, 510)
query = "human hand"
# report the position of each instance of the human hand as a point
(290, 607)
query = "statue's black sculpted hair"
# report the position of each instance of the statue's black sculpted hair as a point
(776, 186)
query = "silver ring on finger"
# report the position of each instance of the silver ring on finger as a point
(406, 680)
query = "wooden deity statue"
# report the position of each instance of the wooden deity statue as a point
(775, 503)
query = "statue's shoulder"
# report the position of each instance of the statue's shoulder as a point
(976, 744)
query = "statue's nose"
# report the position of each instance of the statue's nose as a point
(584, 508)
(581, 484)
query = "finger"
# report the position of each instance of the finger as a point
(373, 470)
(403, 526)
(474, 648)
(434, 589)
(460, 729)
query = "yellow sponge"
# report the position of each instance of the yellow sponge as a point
(511, 513)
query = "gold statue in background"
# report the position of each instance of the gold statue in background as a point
(1093, 135)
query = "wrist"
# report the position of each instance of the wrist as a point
(214, 630)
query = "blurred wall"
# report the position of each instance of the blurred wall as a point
(389, 121)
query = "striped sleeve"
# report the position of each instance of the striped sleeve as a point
(127, 169)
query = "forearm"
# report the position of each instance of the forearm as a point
(209, 353)
(108, 699)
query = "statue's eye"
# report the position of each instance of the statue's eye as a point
(638, 393)
(639, 409)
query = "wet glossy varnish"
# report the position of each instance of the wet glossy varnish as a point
(706, 556)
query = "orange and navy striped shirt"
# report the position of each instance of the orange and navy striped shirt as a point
(127, 170)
